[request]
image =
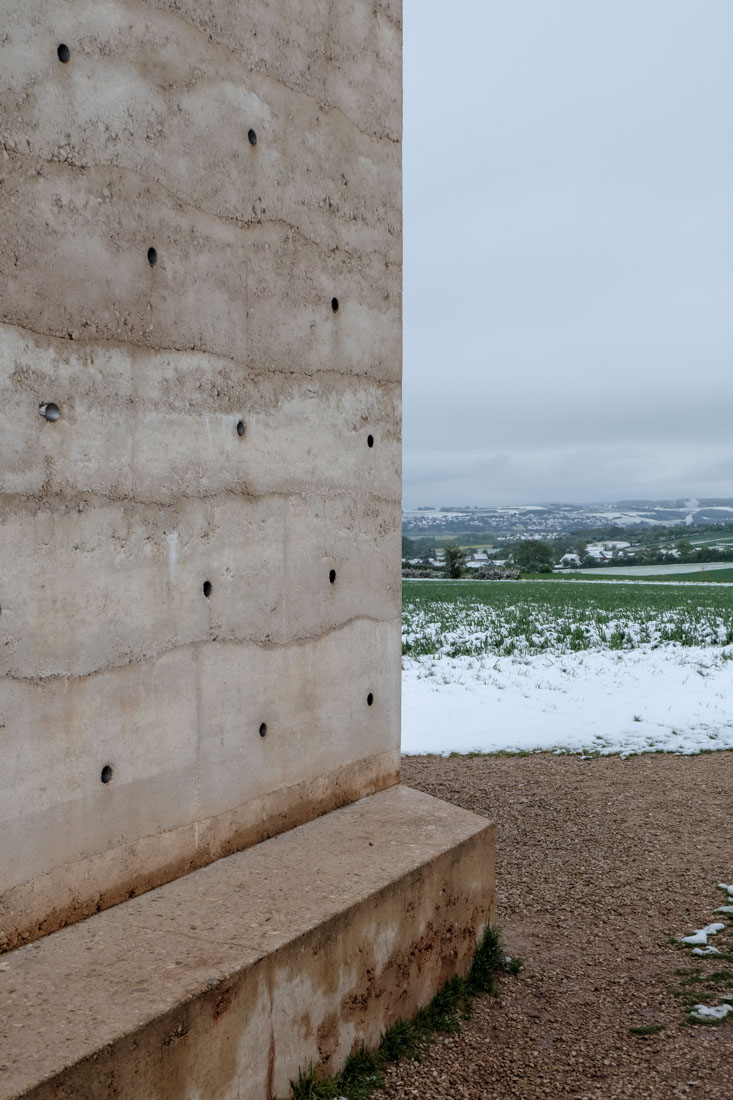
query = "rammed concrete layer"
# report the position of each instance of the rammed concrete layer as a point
(223, 984)
(130, 425)
(268, 288)
(219, 421)
(171, 72)
(192, 777)
(115, 584)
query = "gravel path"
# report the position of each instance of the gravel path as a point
(599, 863)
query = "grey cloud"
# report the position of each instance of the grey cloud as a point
(568, 249)
(604, 472)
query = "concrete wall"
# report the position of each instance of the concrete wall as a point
(219, 421)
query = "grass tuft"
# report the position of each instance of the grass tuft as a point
(400, 1041)
(410, 1038)
(488, 961)
(647, 1029)
(310, 1086)
(360, 1075)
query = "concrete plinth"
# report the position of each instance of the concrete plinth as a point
(225, 983)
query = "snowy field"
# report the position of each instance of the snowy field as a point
(651, 570)
(511, 666)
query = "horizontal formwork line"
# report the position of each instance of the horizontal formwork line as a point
(197, 644)
(22, 503)
(101, 342)
(244, 225)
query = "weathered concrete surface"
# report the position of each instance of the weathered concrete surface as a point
(129, 426)
(219, 422)
(224, 983)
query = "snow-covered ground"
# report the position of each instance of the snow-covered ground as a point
(652, 570)
(667, 697)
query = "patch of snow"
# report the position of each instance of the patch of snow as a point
(652, 570)
(701, 935)
(722, 886)
(724, 909)
(696, 937)
(710, 1012)
(709, 950)
(588, 701)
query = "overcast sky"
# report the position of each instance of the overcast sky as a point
(568, 202)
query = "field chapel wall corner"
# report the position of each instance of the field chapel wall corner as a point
(199, 571)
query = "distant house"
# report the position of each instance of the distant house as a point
(568, 560)
(603, 551)
(479, 560)
(599, 553)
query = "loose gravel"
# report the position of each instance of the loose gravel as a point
(600, 864)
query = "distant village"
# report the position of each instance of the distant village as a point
(507, 541)
(510, 557)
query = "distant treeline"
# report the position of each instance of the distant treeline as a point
(648, 546)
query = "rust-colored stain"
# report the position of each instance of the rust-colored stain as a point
(222, 1004)
(327, 1037)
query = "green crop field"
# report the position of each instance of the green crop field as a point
(504, 618)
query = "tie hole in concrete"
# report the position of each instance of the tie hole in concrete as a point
(370, 699)
(335, 304)
(332, 576)
(207, 588)
(263, 729)
(240, 428)
(370, 441)
(252, 137)
(106, 773)
(50, 411)
(152, 257)
(64, 53)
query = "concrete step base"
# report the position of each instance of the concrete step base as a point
(225, 983)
